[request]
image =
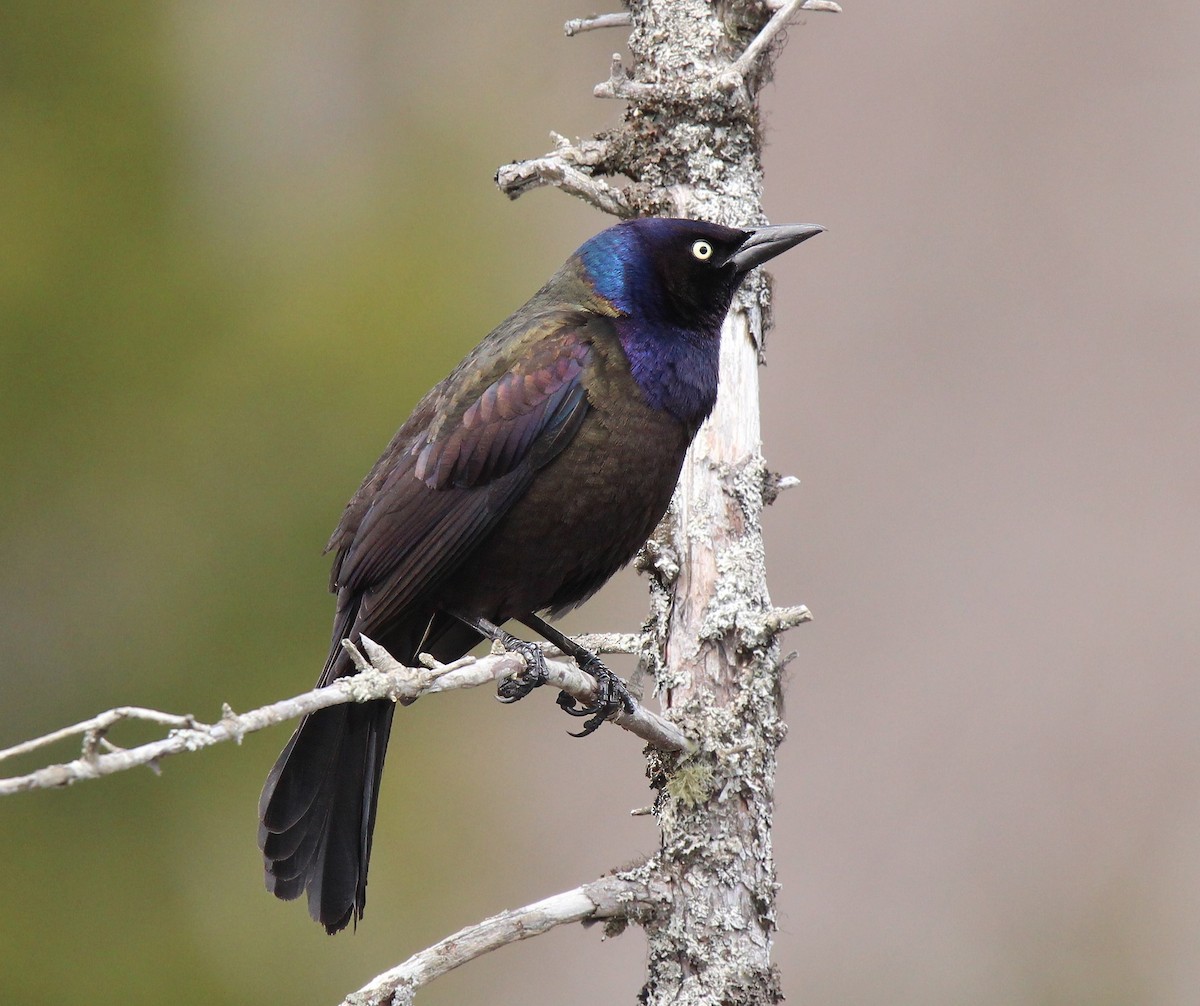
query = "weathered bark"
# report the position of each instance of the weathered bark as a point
(693, 147)
(719, 681)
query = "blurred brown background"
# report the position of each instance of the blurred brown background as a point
(238, 241)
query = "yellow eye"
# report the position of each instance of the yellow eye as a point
(702, 250)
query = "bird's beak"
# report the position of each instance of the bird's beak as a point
(765, 243)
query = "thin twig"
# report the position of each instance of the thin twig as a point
(760, 628)
(581, 24)
(775, 484)
(605, 642)
(94, 729)
(609, 897)
(821, 6)
(555, 169)
(383, 678)
(779, 620)
(736, 74)
(621, 85)
(765, 37)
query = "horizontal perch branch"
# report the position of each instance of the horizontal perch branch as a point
(385, 678)
(470, 672)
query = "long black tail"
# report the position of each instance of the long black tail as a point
(317, 809)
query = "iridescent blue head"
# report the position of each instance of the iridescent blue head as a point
(672, 282)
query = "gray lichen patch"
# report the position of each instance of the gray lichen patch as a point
(690, 144)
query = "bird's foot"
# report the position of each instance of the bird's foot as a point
(534, 675)
(611, 696)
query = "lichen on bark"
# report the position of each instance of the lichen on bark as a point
(696, 151)
(690, 145)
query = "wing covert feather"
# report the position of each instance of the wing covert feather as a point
(450, 482)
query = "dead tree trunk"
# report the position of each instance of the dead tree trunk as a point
(692, 145)
(719, 670)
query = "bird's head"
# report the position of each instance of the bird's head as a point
(671, 282)
(680, 273)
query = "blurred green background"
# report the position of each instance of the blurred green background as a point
(238, 241)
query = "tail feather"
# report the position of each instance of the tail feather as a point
(299, 777)
(287, 854)
(318, 808)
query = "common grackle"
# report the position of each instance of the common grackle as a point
(519, 484)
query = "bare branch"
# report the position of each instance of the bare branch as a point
(384, 678)
(706, 564)
(735, 75)
(569, 167)
(567, 677)
(93, 730)
(781, 619)
(762, 628)
(621, 85)
(822, 6)
(609, 897)
(516, 179)
(765, 37)
(575, 168)
(581, 24)
(605, 642)
(774, 484)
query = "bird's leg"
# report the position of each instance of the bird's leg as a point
(511, 689)
(611, 693)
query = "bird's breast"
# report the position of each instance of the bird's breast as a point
(675, 369)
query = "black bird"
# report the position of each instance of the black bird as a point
(519, 484)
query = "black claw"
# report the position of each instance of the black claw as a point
(590, 726)
(534, 676)
(570, 705)
(611, 697)
(611, 694)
